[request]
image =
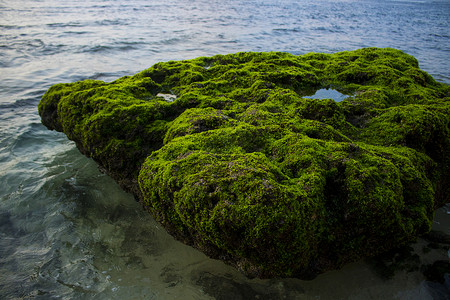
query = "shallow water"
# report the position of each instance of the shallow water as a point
(67, 231)
(328, 94)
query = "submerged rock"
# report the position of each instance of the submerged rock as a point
(238, 164)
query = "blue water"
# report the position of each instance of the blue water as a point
(68, 232)
(328, 94)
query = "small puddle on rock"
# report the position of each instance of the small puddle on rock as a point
(328, 94)
(167, 97)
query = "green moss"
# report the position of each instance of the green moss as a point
(420, 127)
(196, 120)
(242, 167)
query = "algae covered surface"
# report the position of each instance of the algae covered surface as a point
(229, 156)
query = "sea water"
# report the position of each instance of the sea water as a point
(327, 93)
(69, 232)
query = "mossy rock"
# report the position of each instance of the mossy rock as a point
(237, 163)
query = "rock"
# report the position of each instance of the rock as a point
(437, 237)
(436, 271)
(239, 165)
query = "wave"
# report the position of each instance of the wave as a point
(106, 48)
(63, 25)
(114, 22)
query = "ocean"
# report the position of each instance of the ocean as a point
(68, 231)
